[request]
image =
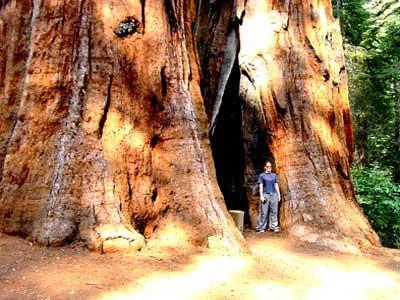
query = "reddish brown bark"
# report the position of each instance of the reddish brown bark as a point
(299, 84)
(295, 112)
(105, 132)
(106, 138)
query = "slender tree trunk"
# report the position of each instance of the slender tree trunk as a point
(397, 127)
(361, 158)
(105, 130)
(339, 8)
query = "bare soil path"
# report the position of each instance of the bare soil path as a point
(278, 268)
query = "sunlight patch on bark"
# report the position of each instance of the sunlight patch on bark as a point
(325, 133)
(119, 131)
(173, 235)
(117, 237)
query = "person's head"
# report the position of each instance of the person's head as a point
(268, 166)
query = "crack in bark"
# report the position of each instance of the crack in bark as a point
(154, 194)
(290, 103)
(171, 13)
(106, 108)
(143, 3)
(128, 179)
(164, 85)
(313, 51)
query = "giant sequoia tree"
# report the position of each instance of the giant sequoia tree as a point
(122, 121)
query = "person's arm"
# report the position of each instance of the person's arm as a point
(277, 189)
(261, 192)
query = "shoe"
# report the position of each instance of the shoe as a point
(276, 230)
(260, 231)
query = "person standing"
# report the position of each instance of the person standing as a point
(269, 200)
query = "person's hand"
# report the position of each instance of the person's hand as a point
(262, 199)
(279, 197)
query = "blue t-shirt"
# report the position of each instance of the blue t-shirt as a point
(268, 181)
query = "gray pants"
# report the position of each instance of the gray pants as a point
(270, 205)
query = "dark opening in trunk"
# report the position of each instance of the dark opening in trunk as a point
(227, 145)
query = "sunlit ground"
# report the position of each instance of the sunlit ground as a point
(279, 268)
(203, 274)
(274, 271)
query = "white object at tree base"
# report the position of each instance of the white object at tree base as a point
(238, 218)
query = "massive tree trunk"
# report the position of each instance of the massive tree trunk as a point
(294, 111)
(301, 85)
(116, 114)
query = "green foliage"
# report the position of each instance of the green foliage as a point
(354, 18)
(371, 31)
(383, 43)
(379, 198)
(372, 52)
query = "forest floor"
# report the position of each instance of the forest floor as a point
(279, 267)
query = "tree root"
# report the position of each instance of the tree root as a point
(116, 238)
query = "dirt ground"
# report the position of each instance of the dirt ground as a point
(278, 268)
